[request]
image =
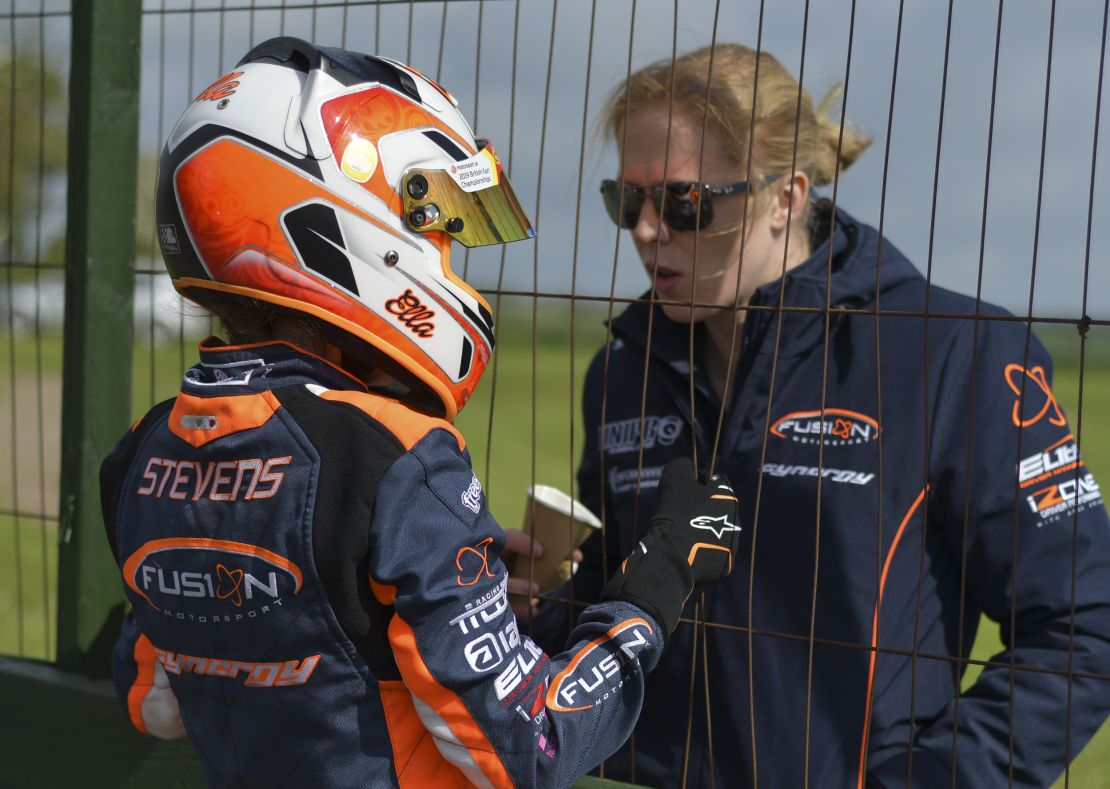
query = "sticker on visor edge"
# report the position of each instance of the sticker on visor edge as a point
(360, 160)
(476, 173)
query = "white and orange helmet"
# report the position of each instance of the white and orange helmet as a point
(331, 183)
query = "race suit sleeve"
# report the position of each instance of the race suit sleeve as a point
(499, 709)
(1013, 497)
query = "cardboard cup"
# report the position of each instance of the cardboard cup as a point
(560, 525)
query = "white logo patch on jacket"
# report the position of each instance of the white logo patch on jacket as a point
(472, 496)
(624, 436)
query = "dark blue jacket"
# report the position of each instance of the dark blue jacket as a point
(898, 477)
(315, 568)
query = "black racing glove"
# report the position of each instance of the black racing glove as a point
(695, 532)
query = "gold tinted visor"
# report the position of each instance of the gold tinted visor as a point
(472, 201)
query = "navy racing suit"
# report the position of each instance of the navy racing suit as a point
(315, 569)
(898, 476)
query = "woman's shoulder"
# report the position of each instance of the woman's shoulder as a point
(903, 285)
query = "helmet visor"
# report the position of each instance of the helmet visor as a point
(472, 201)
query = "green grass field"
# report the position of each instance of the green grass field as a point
(522, 426)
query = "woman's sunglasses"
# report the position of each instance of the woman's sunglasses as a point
(683, 205)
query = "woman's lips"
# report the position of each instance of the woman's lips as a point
(665, 280)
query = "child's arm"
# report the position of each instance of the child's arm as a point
(499, 709)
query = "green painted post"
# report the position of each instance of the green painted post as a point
(100, 253)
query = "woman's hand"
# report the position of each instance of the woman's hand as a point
(522, 591)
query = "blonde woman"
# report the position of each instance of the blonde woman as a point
(898, 475)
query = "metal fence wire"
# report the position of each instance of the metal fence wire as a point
(985, 121)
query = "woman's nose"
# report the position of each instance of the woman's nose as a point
(649, 226)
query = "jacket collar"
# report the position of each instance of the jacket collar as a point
(236, 369)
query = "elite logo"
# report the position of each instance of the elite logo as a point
(222, 88)
(1034, 397)
(1055, 459)
(718, 525)
(410, 310)
(520, 671)
(832, 427)
(473, 563)
(1075, 490)
(180, 571)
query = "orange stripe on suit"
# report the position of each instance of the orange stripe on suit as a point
(144, 681)
(446, 704)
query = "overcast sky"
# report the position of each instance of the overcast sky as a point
(538, 127)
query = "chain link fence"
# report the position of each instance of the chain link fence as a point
(984, 170)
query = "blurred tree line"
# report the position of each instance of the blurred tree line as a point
(33, 113)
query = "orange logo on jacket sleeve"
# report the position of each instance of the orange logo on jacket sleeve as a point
(476, 562)
(1032, 395)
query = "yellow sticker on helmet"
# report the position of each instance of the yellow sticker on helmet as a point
(360, 160)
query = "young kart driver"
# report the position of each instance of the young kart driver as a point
(316, 588)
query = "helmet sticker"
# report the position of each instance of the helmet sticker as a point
(410, 310)
(167, 237)
(471, 200)
(360, 160)
(222, 88)
(477, 172)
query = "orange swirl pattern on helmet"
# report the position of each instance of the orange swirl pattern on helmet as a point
(370, 115)
(232, 197)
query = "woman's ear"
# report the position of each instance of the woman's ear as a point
(789, 195)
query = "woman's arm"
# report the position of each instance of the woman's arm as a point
(1023, 514)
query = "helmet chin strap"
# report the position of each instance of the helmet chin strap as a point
(375, 378)
(333, 354)
(379, 379)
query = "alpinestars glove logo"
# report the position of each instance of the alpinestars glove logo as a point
(718, 525)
